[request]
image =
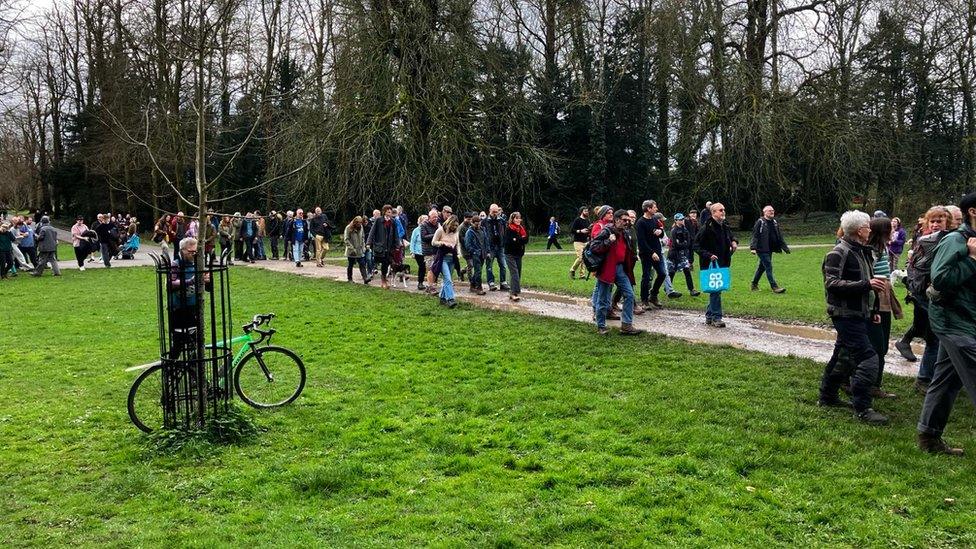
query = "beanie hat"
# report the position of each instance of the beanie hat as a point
(603, 211)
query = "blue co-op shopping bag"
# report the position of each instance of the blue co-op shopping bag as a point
(715, 279)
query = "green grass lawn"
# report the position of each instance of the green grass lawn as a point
(424, 426)
(798, 272)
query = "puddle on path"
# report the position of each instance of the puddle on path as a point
(808, 332)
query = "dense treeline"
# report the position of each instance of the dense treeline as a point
(541, 105)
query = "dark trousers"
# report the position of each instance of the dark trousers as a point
(81, 254)
(238, 250)
(765, 266)
(955, 368)
(649, 266)
(30, 253)
(106, 254)
(362, 267)
(248, 251)
(852, 350)
(6, 262)
(880, 336)
(553, 241)
(274, 246)
(421, 268)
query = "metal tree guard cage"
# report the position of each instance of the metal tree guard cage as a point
(193, 309)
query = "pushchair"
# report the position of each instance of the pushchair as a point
(129, 249)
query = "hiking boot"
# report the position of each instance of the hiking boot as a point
(656, 304)
(629, 330)
(877, 392)
(933, 444)
(708, 322)
(451, 303)
(420, 286)
(905, 349)
(638, 310)
(921, 387)
(834, 403)
(492, 287)
(694, 293)
(480, 291)
(778, 290)
(504, 287)
(755, 287)
(604, 331)
(871, 417)
(674, 295)
(612, 315)
(718, 324)
(514, 297)
(443, 301)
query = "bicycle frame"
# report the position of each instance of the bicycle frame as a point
(239, 355)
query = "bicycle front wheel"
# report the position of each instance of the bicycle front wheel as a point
(269, 377)
(145, 401)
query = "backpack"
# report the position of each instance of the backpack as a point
(920, 268)
(595, 253)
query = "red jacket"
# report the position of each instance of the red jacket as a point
(620, 252)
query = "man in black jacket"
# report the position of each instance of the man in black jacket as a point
(273, 228)
(767, 240)
(850, 287)
(715, 242)
(650, 253)
(580, 229)
(494, 227)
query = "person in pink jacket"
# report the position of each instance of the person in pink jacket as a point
(80, 242)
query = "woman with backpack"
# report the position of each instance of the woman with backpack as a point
(919, 277)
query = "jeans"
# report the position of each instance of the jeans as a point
(668, 288)
(602, 293)
(954, 369)
(853, 343)
(447, 286)
(496, 253)
(259, 248)
(297, 251)
(248, 254)
(714, 309)
(765, 265)
(514, 274)
(370, 260)
(475, 279)
(649, 266)
(362, 267)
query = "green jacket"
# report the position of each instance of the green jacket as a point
(954, 276)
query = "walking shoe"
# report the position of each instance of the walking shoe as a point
(755, 287)
(604, 331)
(871, 417)
(656, 304)
(638, 310)
(718, 324)
(674, 295)
(877, 392)
(492, 287)
(708, 322)
(778, 290)
(612, 315)
(921, 387)
(504, 287)
(420, 286)
(480, 291)
(694, 293)
(629, 330)
(451, 303)
(82, 268)
(905, 349)
(935, 445)
(443, 301)
(834, 403)
(515, 298)
(298, 263)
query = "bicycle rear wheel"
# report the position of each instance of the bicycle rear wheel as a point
(269, 377)
(145, 401)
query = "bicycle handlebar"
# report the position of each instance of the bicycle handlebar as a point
(257, 321)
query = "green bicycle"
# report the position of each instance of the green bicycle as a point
(265, 376)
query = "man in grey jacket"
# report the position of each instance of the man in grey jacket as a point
(47, 247)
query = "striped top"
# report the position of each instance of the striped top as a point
(881, 265)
